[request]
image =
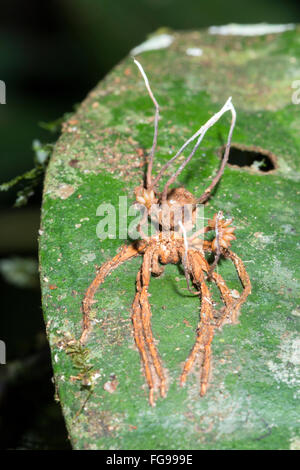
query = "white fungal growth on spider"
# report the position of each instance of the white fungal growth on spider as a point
(156, 119)
(228, 106)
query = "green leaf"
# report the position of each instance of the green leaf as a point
(252, 399)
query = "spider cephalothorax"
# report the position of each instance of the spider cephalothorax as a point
(173, 214)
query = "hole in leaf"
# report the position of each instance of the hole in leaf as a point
(252, 157)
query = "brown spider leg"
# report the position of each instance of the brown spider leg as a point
(125, 254)
(141, 314)
(206, 245)
(205, 330)
(226, 296)
(146, 319)
(136, 318)
(243, 275)
(232, 306)
(219, 281)
(224, 290)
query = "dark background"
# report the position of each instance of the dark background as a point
(51, 54)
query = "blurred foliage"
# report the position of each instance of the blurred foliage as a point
(32, 178)
(21, 272)
(52, 53)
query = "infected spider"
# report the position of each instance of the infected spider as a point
(171, 244)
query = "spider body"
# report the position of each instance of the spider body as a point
(171, 244)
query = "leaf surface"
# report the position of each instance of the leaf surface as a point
(253, 397)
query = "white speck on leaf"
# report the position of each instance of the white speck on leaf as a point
(162, 41)
(194, 51)
(258, 29)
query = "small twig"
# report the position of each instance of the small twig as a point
(149, 184)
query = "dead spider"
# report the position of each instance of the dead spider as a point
(171, 244)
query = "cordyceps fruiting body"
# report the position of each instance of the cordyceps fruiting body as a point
(171, 243)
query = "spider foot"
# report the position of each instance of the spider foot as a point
(151, 397)
(183, 379)
(203, 389)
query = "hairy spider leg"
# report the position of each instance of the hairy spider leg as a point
(136, 318)
(156, 268)
(226, 296)
(146, 319)
(243, 275)
(127, 252)
(205, 330)
(220, 283)
(232, 306)
(143, 332)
